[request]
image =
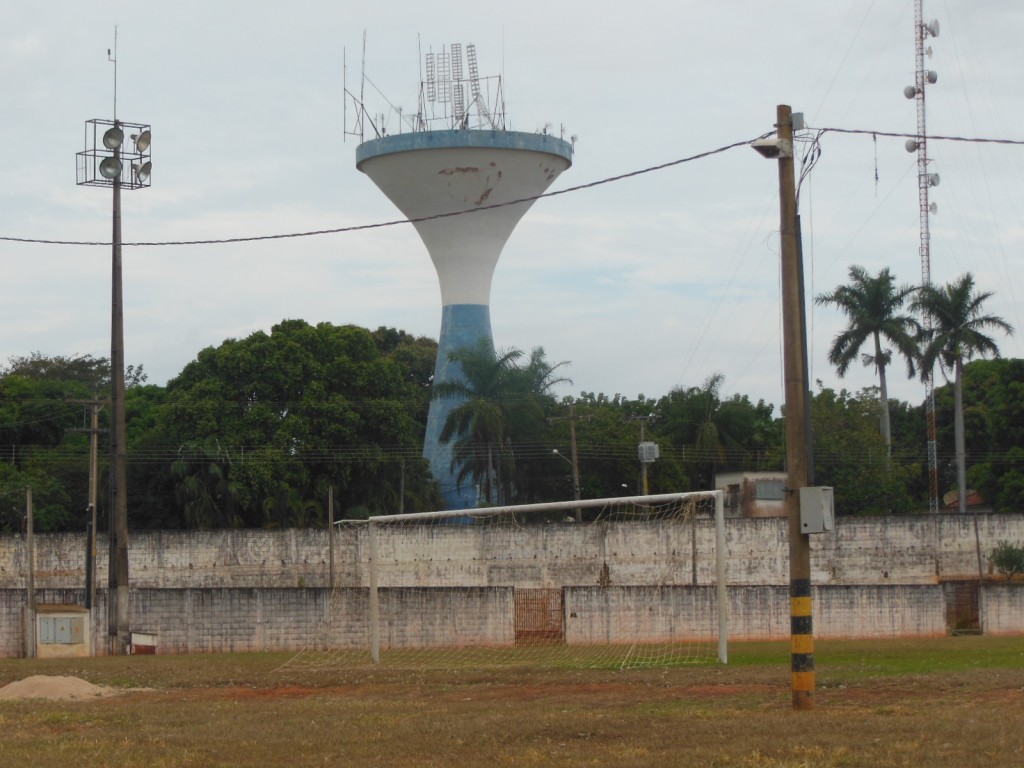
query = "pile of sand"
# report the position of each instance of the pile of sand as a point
(58, 688)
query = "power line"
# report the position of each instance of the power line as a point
(929, 137)
(519, 201)
(396, 222)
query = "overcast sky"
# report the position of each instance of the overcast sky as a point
(645, 284)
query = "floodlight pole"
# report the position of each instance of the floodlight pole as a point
(798, 468)
(118, 569)
(105, 162)
(101, 162)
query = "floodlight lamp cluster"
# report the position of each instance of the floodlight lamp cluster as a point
(108, 159)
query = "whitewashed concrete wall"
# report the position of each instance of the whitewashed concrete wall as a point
(883, 550)
(1002, 609)
(215, 619)
(251, 590)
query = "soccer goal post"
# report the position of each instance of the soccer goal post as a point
(638, 581)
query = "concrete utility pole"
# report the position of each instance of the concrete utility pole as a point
(801, 613)
(330, 532)
(118, 573)
(641, 455)
(643, 464)
(575, 462)
(94, 437)
(29, 612)
(794, 335)
(108, 161)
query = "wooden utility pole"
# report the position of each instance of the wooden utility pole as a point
(29, 612)
(795, 367)
(643, 464)
(94, 442)
(30, 574)
(572, 418)
(330, 533)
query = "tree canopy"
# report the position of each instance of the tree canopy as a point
(268, 423)
(254, 431)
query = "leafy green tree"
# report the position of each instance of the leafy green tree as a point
(909, 450)
(529, 431)
(958, 333)
(716, 435)
(294, 412)
(151, 451)
(94, 372)
(993, 399)
(607, 434)
(606, 447)
(41, 407)
(502, 404)
(851, 456)
(415, 355)
(1008, 559)
(288, 508)
(873, 307)
(202, 485)
(52, 507)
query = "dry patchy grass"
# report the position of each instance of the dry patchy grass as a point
(944, 702)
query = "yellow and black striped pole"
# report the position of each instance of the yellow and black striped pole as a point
(794, 335)
(801, 644)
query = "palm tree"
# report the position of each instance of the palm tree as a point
(203, 487)
(497, 396)
(956, 336)
(690, 417)
(872, 306)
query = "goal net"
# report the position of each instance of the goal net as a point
(621, 582)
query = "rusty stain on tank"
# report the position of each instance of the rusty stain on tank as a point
(487, 193)
(454, 171)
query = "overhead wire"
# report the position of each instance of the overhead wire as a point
(396, 222)
(518, 201)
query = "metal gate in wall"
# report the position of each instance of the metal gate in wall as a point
(539, 616)
(962, 615)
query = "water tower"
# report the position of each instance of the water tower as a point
(465, 182)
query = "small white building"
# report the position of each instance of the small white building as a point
(752, 494)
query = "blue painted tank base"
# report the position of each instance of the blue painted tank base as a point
(462, 325)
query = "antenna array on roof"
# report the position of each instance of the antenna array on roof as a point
(443, 94)
(452, 96)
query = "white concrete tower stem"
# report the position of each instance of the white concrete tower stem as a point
(465, 191)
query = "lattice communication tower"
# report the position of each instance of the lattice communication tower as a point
(925, 180)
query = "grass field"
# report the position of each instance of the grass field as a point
(956, 701)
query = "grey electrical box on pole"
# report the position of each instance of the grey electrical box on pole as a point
(817, 512)
(648, 452)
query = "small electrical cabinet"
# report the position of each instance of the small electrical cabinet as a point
(817, 513)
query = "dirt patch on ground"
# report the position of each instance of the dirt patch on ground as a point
(55, 688)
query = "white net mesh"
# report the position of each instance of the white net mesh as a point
(637, 582)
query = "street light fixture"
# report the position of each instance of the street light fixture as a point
(106, 161)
